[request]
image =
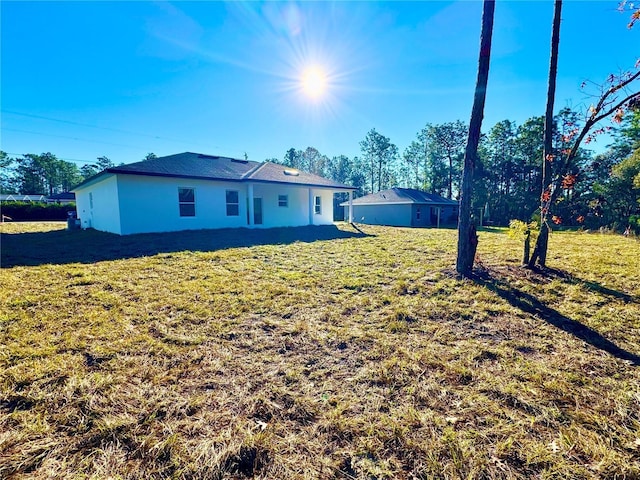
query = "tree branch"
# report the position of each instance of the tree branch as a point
(595, 117)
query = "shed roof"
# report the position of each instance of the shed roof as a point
(18, 197)
(403, 196)
(212, 167)
(62, 197)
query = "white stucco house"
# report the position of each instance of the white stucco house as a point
(403, 207)
(191, 191)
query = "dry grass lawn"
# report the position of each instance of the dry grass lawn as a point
(316, 353)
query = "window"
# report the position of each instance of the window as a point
(418, 213)
(233, 204)
(187, 202)
(318, 205)
(283, 200)
(91, 199)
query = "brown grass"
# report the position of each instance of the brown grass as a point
(266, 354)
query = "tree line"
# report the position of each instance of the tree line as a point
(600, 190)
(46, 174)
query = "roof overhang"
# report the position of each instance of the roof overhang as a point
(92, 180)
(438, 204)
(115, 171)
(344, 188)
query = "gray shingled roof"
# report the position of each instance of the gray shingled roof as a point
(192, 165)
(62, 197)
(402, 195)
(273, 172)
(211, 167)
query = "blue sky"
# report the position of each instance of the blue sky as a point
(121, 79)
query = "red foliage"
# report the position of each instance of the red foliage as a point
(617, 118)
(556, 219)
(580, 219)
(546, 196)
(568, 181)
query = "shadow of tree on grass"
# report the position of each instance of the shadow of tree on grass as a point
(88, 246)
(531, 305)
(589, 285)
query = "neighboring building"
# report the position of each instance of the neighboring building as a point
(404, 207)
(63, 198)
(191, 191)
(16, 197)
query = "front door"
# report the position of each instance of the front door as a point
(257, 211)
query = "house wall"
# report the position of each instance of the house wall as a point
(448, 215)
(392, 215)
(425, 219)
(296, 213)
(150, 204)
(326, 216)
(403, 215)
(97, 206)
(129, 204)
(451, 214)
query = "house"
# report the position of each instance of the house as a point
(191, 191)
(15, 197)
(404, 207)
(64, 198)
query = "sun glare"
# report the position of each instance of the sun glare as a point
(314, 82)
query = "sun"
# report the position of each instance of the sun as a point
(314, 82)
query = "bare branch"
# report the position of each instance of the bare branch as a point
(606, 106)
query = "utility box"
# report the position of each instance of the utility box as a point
(73, 223)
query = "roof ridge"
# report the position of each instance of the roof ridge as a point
(254, 170)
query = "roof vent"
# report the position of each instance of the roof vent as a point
(202, 155)
(291, 172)
(237, 160)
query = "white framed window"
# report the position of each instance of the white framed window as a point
(283, 200)
(91, 199)
(233, 203)
(187, 202)
(317, 205)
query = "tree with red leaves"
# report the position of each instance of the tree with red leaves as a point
(635, 15)
(612, 99)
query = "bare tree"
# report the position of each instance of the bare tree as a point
(615, 97)
(467, 238)
(540, 250)
(635, 11)
(611, 100)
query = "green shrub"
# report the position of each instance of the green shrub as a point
(22, 211)
(527, 232)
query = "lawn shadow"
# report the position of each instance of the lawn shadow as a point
(531, 305)
(89, 246)
(588, 284)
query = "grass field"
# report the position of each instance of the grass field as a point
(316, 353)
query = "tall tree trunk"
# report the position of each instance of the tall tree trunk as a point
(450, 191)
(373, 175)
(542, 243)
(467, 238)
